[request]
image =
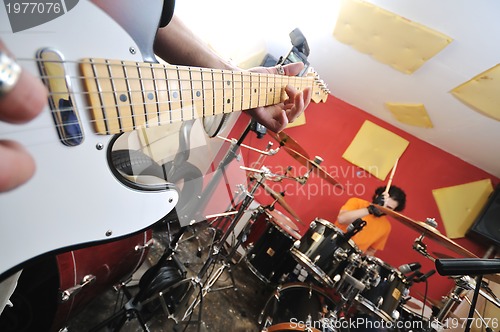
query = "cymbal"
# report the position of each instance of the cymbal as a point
(438, 254)
(316, 168)
(281, 201)
(288, 143)
(429, 232)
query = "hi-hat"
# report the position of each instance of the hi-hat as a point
(289, 143)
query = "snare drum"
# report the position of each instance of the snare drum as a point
(53, 289)
(324, 251)
(269, 242)
(383, 296)
(296, 307)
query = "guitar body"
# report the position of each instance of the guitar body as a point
(75, 197)
(97, 62)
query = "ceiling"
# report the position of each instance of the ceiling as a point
(242, 30)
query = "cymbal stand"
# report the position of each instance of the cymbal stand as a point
(231, 210)
(452, 299)
(483, 321)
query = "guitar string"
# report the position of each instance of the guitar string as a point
(156, 67)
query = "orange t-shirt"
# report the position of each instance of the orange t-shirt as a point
(376, 231)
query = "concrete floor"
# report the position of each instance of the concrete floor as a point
(234, 308)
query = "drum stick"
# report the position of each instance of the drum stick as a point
(390, 177)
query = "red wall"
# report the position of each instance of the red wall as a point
(330, 128)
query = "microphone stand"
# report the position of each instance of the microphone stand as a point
(479, 279)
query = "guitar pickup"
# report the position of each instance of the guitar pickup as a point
(64, 113)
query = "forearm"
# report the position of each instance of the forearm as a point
(177, 44)
(346, 217)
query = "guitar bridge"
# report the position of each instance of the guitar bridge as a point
(66, 119)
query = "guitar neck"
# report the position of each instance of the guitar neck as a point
(124, 96)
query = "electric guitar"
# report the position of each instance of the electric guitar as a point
(76, 196)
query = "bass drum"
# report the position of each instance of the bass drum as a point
(296, 307)
(268, 247)
(53, 289)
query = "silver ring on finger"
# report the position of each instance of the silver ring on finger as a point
(10, 72)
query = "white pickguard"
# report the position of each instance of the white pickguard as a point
(73, 198)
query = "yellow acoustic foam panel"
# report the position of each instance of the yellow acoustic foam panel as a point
(460, 205)
(389, 38)
(411, 114)
(375, 149)
(482, 92)
(301, 120)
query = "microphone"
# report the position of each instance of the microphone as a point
(410, 267)
(354, 228)
(424, 277)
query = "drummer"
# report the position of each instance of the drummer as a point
(375, 233)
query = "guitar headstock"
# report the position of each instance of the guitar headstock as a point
(320, 91)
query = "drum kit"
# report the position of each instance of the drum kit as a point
(321, 280)
(343, 283)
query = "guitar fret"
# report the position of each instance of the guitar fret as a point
(236, 92)
(163, 102)
(262, 89)
(277, 90)
(252, 103)
(228, 98)
(92, 86)
(267, 89)
(225, 98)
(155, 94)
(135, 96)
(106, 96)
(114, 90)
(207, 91)
(197, 92)
(185, 96)
(218, 92)
(122, 96)
(192, 93)
(245, 86)
(148, 97)
(173, 94)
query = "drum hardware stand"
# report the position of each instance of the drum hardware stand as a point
(420, 247)
(267, 152)
(487, 328)
(216, 255)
